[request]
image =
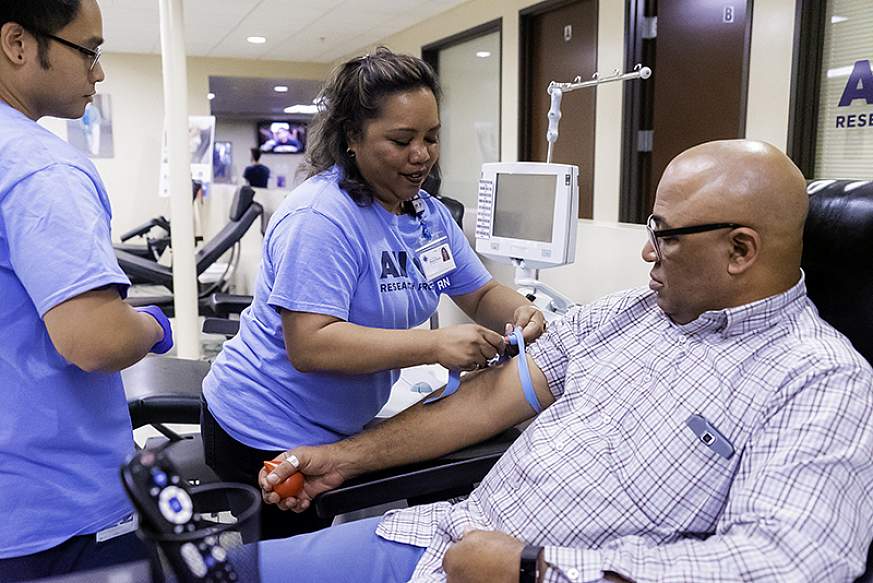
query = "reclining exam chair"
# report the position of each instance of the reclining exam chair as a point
(243, 213)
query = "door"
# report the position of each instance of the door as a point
(559, 42)
(699, 53)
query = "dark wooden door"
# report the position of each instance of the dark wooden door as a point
(700, 56)
(559, 41)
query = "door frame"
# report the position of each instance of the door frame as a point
(809, 28)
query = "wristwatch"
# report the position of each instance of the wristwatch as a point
(528, 570)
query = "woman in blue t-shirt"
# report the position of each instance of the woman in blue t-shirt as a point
(354, 259)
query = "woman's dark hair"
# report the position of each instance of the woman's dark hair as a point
(354, 94)
(40, 16)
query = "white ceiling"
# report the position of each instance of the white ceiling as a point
(296, 30)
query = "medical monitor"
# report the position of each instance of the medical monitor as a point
(528, 212)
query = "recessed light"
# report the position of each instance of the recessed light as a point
(281, 89)
(257, 40)
(210, 96)
(483, 54)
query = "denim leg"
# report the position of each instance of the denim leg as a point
(346, 553)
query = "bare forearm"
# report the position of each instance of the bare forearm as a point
(347, 348)
(126, 340)
(487, 403)
(495, 307)
(97, 331)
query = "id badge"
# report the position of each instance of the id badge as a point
(436, 258)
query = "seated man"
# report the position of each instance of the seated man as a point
(709, 428)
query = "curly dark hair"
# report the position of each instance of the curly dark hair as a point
(355, 93)
(40, 16)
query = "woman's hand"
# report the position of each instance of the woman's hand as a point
(320, 469)
(530, 320)
(466, 346)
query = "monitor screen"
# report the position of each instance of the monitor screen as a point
(282, 137)
(524, 206)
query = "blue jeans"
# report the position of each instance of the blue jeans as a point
(346, 553)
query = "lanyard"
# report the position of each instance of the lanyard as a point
(516, 339)
(418, 206)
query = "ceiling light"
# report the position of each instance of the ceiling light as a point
(256, 40)
(210, 96)
(281, 89)
(310, 109)
(836, 19)
(483, 54)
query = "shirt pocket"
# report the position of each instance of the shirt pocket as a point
(678, 484)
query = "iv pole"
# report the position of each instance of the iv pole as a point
(529, 278)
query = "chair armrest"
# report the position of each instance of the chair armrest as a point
(163, 389)
(224, 304)
(460, 469)
(222, 326)
(138, 250)
(142, 229)
(144, 269)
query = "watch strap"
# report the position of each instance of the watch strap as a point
(527, 571)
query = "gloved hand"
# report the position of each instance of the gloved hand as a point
(166, 342)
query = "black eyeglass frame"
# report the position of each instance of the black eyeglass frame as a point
(655, 234)
(93, 54)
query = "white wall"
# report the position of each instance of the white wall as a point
(136, 87)
(767, 119)
(134, 82)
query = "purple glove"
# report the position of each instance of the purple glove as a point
(166, 342)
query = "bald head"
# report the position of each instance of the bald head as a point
(742, 182)
(745, 182)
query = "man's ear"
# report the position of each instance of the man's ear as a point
(745, 247)
(12, 42)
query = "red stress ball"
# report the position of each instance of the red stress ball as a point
(291, 486)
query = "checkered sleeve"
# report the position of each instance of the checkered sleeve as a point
(800, 508)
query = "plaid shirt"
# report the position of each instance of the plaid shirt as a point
(610, 477)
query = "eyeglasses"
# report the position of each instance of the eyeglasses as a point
(655, 234)
(92, 54)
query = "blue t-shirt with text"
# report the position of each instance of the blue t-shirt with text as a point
(325, 254)
(63, 432)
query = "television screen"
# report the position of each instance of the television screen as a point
(282, 137)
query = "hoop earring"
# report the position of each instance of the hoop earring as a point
(350, 153)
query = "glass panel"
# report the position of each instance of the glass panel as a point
(844, 144)
(470, 78)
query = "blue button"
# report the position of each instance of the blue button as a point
(159, 478)
(175, 504)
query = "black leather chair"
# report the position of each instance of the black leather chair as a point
(243, 213)
(838, 261)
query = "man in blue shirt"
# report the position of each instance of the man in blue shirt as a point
(64, 424)
(257, 175)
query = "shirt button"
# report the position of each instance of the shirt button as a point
(573, 574)
(682, 339)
